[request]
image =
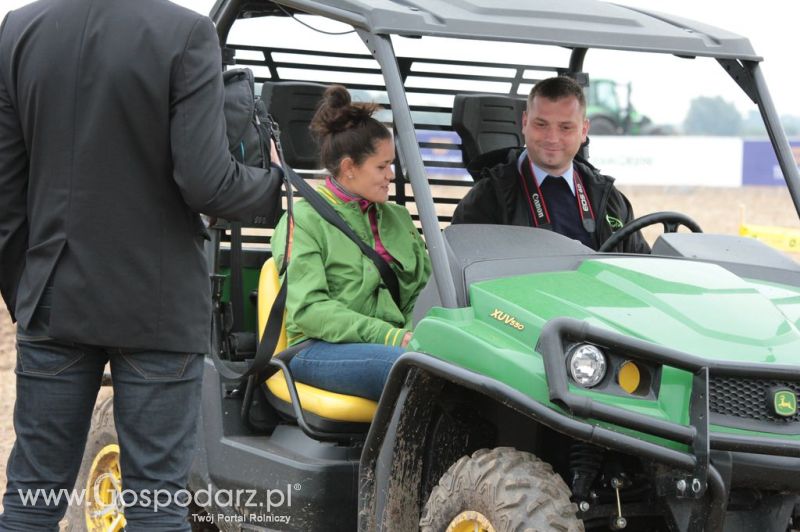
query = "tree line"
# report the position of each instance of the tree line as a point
(716, 116)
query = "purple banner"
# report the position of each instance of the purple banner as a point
(760, 165)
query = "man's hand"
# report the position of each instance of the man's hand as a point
(406, 338)
(273, 154)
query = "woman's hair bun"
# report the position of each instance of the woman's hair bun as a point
(337, 112)
(336, 97)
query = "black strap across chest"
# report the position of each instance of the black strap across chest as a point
(538, 205)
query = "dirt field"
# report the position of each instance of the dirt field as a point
(7, 391)
(716, 210)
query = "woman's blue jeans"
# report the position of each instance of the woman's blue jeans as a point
(352, 369)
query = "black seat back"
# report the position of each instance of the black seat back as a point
(292, 104)
(487, 122)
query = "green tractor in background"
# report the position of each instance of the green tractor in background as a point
(609, 107)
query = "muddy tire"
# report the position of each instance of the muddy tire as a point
(500, 490)
(100, 466)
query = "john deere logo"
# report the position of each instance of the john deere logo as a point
(785, 403)
(615, 223)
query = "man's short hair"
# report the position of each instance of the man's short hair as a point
(556, 88)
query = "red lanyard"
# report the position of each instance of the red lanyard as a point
(538, 207)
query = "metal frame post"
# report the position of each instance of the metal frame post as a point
(776, 133)
(380, 46)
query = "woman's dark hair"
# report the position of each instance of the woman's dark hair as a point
(345, 129)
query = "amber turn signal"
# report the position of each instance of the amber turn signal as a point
(629, 377)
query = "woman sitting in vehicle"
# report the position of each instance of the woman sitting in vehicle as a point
(335, 292)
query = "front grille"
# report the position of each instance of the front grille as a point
(748, 399)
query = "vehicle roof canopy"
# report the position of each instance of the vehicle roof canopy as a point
(573, 24)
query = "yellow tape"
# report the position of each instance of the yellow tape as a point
(782, 238)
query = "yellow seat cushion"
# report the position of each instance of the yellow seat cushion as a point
(328, 405)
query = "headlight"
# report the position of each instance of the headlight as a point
(587, 365)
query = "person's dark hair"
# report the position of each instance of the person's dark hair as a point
(345, 129)
(556, 88)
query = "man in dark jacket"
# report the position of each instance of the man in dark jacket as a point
(548, 185)
(112, 139)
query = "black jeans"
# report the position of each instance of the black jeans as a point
(156, 406)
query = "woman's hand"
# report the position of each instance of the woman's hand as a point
(406, 338)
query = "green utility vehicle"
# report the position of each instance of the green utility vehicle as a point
(548, 386)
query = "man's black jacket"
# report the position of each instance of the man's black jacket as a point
(498, 198)
(112, 139)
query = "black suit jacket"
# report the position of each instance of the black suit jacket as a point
(112, 139)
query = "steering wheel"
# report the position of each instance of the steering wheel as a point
(670, 220)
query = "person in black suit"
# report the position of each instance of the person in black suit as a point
(112, 140)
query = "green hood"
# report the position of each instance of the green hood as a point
(694, 307)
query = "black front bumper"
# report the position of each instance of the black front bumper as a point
(757, 462)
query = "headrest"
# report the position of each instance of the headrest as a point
(292, 104)
(487, 122)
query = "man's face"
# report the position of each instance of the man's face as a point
(554, 131)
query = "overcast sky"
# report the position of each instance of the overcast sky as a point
(662, 86)
(771, 26)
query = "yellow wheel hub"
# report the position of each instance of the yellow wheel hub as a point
(104, 505)
(470, 521)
